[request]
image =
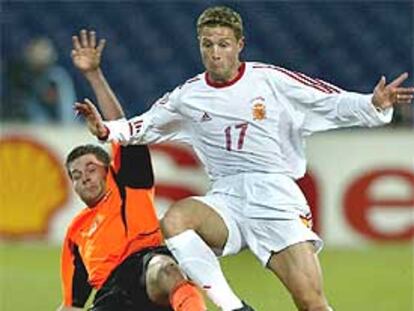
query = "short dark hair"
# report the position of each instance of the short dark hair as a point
(221, 16)
(82, 150)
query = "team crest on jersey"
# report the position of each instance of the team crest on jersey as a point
(259, 109)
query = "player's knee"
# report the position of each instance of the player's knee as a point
(163, 276)
(178, 218)
(311, 300)
(169, 274)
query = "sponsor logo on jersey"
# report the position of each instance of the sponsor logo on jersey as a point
(205, 117)
(92, 229)
(307, 220)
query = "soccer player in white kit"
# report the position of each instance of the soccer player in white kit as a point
(247, 122)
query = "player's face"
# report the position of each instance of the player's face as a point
(88, 178)
(220, 52)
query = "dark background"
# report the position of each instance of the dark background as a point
(152, 46)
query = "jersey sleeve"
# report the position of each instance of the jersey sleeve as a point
(132, 166)
(75, 286)
(325, 106)
(163, 122)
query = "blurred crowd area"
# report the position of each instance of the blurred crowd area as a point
(152, 47)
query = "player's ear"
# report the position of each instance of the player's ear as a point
(106, 169)
(241, 44)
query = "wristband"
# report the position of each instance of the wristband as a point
(105, 136)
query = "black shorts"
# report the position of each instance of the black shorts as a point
(125, 289)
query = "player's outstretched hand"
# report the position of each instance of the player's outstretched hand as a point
(93, 118)
(86, 53)
(386, 96)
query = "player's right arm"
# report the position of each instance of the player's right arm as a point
(86, 56)
(160, 124)
(74, 277)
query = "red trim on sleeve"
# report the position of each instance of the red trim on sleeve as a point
(106, 135)
(304, 79)
(135, 127)
(317, 84)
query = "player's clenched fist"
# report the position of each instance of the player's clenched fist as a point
(86, 52)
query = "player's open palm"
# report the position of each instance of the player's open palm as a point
(86, 53)
(389, 95)
(92, 116)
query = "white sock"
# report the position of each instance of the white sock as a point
(199, 262)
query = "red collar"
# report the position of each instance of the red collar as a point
(240, 73)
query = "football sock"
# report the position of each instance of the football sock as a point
(199, 262)
(186, 297)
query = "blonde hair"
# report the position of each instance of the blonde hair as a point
(221, 16)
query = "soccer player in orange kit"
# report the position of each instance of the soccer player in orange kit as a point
(114, 245)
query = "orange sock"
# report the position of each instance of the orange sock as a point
(186, 297)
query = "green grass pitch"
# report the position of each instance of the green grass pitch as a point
(379, 278)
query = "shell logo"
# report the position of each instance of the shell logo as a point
(33, 185)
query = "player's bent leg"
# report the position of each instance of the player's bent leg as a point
(191, 214)
(191, 228)
(167, 285)
(298, 268)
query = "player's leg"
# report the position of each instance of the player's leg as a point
(166, 285)
(191, 228)
(111, 298)
(287, 246)
(298, 268)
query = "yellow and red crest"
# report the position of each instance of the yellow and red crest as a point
(259, 111)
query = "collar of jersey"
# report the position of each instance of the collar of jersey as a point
(101, 200)
(212, 83)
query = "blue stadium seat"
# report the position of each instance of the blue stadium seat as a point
(152, 47)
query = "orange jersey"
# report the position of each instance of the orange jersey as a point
(123, 222)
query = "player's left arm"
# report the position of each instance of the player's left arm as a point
(386, 95)
(326, 106)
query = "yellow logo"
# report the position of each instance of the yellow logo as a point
(33, 185)
(259, 111)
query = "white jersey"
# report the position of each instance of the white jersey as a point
(253, 124)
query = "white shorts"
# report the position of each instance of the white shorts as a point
(264, 233)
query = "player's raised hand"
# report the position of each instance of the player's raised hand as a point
(86, 53)
(93, 118)
(389, 95)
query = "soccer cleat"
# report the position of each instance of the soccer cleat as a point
(245, 307)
